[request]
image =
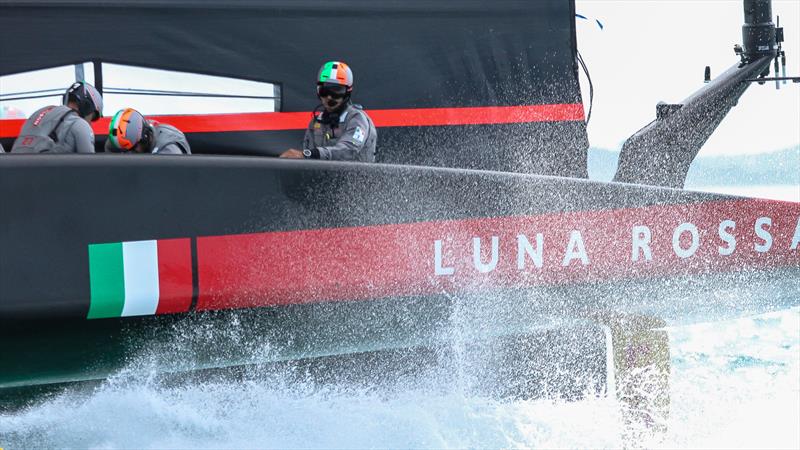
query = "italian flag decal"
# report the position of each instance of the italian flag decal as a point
(140, 278)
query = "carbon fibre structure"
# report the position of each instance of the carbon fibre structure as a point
(660, 153)
(259, 260)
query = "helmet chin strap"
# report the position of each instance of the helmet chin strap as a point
(342, 104)
(332, 118)
(148, 133)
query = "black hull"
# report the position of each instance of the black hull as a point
(46, 290)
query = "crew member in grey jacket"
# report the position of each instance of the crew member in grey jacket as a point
(129, 131)
(64, 128)
(339, 130)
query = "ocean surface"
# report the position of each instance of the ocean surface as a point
(733, 384)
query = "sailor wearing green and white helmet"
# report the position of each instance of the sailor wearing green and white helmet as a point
(339, 130)
(64, 128)
(130, 131)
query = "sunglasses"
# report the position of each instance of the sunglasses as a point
(332, 92)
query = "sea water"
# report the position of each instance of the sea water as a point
(733, 384)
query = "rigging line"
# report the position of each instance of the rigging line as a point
(759, 80)
(28, 97)
(591, 86)
(58, 93)
(154, 90)
(156, 94)
(41, 91)
(126, 91)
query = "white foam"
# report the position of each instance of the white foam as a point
(734, 384)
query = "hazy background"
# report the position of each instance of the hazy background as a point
(656, 50)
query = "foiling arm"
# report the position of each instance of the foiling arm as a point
(660, 153)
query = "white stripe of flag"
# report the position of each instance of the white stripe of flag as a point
(140, 266)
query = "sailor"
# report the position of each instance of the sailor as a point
(129, 131)
(339, 130)
(64, 128)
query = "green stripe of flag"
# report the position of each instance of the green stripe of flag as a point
(107, 280)
(326, 72)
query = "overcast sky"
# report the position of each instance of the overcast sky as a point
(656, 50)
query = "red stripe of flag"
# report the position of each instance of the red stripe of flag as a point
(416, 117)
(362, 263)
(174, 275)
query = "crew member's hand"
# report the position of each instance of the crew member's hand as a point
(292, 153)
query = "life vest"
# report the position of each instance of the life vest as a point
(326, 129)
(39, 133)
(166, 135)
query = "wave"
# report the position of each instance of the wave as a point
(734, 384)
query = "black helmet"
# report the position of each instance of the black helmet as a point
(87, 97)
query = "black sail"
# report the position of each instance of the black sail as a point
(414, 55)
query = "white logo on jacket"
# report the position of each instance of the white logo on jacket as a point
(359, 135)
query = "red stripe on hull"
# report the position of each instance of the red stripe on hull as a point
(174, 276)
(360, 263)
(418, 117)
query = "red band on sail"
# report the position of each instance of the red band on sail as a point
(277, 121)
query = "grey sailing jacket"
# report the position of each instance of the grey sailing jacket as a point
(55, 129)
(352, 140)
(170, 140)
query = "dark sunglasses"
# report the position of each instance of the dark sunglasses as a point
(332, 92)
